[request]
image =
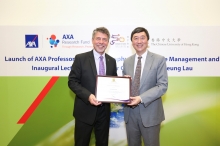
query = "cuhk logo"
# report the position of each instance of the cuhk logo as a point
(53, 41)
(31, 41)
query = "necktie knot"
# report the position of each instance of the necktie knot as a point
(101, 57)
(139, 57)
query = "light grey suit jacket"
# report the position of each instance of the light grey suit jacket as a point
(154, 83)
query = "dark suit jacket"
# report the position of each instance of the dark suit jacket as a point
(82, 81)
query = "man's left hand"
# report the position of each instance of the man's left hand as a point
(134, 101)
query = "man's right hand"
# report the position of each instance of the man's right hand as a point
(93, 100)
(127, 76)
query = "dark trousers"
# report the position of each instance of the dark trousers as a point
(101, 128)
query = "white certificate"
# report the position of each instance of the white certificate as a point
(113, 89)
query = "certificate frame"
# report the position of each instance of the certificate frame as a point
(113, 89)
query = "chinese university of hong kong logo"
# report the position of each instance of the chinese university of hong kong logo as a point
(31, 41)
(53, 41)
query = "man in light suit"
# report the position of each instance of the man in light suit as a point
(144, 114)
(88, 112)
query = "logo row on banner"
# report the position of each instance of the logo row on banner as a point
(50, 51)
(68, 41)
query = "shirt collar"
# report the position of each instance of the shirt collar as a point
(143, 55)
(97, 55)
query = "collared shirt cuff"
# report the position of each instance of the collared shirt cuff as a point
(141, 99)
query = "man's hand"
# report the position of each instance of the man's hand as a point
(128, 76)
(134, 101)
(93, 100)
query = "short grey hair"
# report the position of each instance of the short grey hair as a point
(102, 30)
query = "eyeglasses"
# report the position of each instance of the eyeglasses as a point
(142, 38)
(103, 39)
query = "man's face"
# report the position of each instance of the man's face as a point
(100, 42)
(140, 42)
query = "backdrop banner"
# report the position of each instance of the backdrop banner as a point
(50, 50)
(37, 104)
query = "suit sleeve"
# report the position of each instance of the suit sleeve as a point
(74, 80)
(161, 85)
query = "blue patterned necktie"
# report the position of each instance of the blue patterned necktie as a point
(136, 81)
(101, 66)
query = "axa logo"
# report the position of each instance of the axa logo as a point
(68, 36)
(31, 41)
(53, 41)
(116, 38)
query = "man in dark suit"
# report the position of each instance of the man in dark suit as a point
(88, 112)
(144, 113)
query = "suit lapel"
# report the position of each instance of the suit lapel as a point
(131, 64)
(108, 64)
(92, 63)
(147, 67)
